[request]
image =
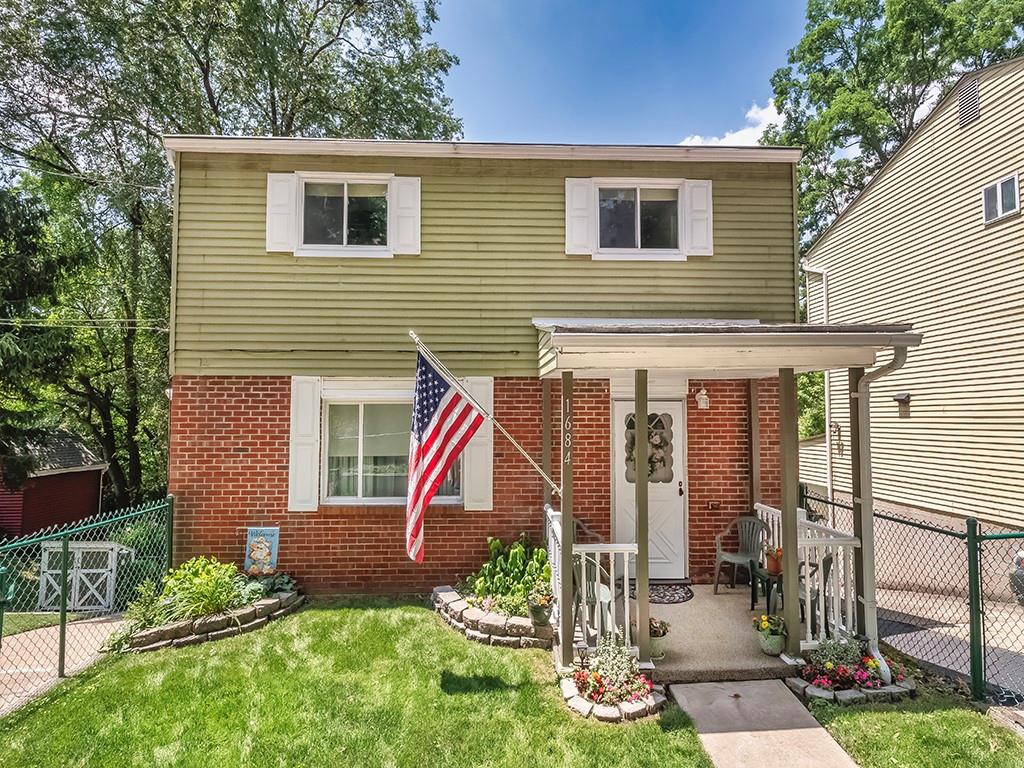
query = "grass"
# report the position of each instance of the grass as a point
(935, 729)
(23, 622)
(366, 682)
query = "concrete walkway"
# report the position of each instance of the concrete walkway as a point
(757, 723)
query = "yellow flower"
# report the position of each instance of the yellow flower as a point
(829, 665)
(764, 617)
(764, 625)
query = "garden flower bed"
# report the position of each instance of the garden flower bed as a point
(847, 674)
(609, 687)
(490, 627)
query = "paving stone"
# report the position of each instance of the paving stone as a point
(254, 624)
(847, 698)
(518, 626)
(505, 641)
(280, 614)
(876, 695)
(243, 615)
(812, 692)
(438, 591)
(633, 710)
(448, 597)
(534, 642)
(657, 702)
(206, 624)
(493, 623)
(607, 713)
(480, 637)
(458, 626)
(909, 685)
(154, 646)
(543, 631)
(178, 629)
(181, 642)
(266, 606)
(222, 633)
(797, 685)
(147, 637)
(287, 598)
(895, 692)
(568, 686)
(471, 617)
(455, 609)
(580, 705)
(658, 688)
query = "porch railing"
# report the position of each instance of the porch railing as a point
(826, 577)
(553, 540)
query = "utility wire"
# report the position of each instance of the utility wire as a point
(90, 179)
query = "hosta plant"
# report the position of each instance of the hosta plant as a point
(510, 574)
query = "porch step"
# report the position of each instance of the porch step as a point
(689, 673)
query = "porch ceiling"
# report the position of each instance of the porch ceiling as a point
(599, 347)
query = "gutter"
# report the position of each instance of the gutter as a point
(830, 489)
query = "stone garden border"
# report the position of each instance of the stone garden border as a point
(807, 693)
(613, 713)
(216, 626)
(489, 628)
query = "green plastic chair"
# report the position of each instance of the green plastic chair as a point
(752, 532)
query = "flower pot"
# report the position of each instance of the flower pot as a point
(773, 565)
(658, 647)
(540, 614)
(771, 645)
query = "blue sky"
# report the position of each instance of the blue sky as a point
(596, 71)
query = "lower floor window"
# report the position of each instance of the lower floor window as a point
(367, 453)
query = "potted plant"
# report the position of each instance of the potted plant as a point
(773, 559)
(771, 633)
(540, 601)
(658, 632)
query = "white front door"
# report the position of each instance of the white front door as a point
(666, 492)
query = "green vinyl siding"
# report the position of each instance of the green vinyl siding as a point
(493, 257)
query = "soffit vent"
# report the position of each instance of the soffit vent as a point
(969, 102)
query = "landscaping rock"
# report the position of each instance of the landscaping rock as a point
(243, 615)
(438, 591)
(287, 598)
(568, 686)
(285, 611)
(147, 637)
(658, 688)
(471, 617)
(658, 700)
(895, 692)
(181, 642)
(607, 713)
(534, 642)
(154, 646)
(455, 609)
(266, 606)
(480, 637)
(458, 626)
(543, 631)
(178, 629)
(493, 624)
(207, 624)
(581, 706)
(876, 695)
(518, 626)
(633, 710)
(254, 624)
(797, 685)
(847, 698)
(222, 633)
(908, 685)
(505, 641)
(448, 597)
(812, 692)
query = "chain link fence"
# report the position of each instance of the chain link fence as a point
(62, 591)
(934, 577)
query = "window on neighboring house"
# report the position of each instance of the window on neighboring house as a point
(345, 214)
(367, 455)
(1001, 199)
(638, 218)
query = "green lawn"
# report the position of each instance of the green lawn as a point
(935, 730)
(367, 683)
(23, 622)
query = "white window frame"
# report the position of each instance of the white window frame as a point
(349, 251)
(1000, 213)
(362, 399)
(637, 254)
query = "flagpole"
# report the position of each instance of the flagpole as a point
(451, 379)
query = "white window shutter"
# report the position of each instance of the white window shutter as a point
(697, 222)
(580, 216)
(282, 211)
(404, 207)
(304, 445)
(478, 456)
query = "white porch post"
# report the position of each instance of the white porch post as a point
(643, 608)
(863, 505)
(566, 634)
(790, 470)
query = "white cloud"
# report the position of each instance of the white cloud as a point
(758, 118)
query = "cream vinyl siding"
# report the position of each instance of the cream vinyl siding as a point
(812, 461)
(914, 249)
(493, 256)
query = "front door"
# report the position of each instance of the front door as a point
(666, 493)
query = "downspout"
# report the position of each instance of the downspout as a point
(830, 492)
(866, 501)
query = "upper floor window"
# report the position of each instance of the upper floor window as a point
(345, 214)
(638, 218)
(1001, 199)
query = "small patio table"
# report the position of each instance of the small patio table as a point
(772, 585)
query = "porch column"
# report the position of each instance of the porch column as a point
(566, 635)
(790, 470)
(863, 506)
(545, 418)
(643, 608)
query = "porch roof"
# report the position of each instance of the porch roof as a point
(599, 347)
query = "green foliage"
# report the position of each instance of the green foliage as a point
(810, 396)
(279, 582)
(149, 609)
(835, 653)
(862, 77)
(510, 574)
(611, 675)
(202, 586)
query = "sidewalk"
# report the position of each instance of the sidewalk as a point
(757, 723)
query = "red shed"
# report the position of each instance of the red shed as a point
(67, 485)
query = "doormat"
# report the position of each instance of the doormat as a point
(666, 592)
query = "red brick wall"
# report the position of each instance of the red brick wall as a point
(229, 470)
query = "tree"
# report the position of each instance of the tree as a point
(88, 87)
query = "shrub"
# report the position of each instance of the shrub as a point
(510, 574)
(202, 586)
(612, 675)
(279, 582)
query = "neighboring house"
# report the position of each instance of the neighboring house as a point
(65, 485)
(936, 239)
(300, 265)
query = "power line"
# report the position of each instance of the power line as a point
(90, 179)
(142, 324)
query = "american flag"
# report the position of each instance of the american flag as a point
(443, 421)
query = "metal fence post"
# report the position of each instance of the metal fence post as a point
(62, 643)
(3, 601)
(974, 586)
(170, 533)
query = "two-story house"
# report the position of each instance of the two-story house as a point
(563, 283)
